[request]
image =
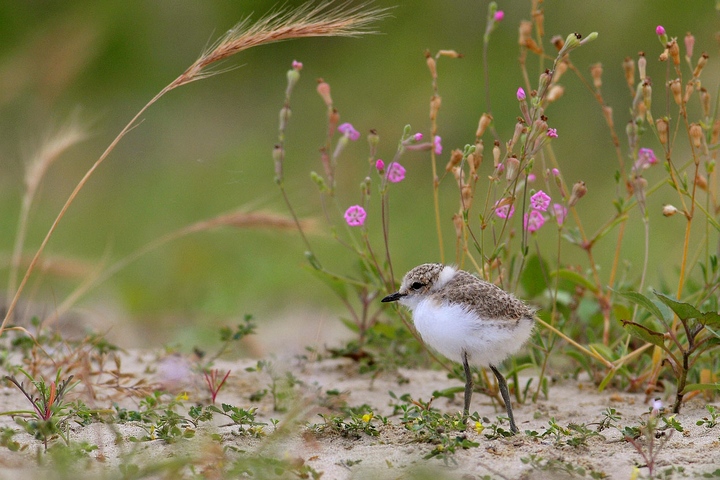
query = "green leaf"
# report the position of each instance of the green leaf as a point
(646, 303)
(607, 379)
(332, 281)
(683, 310)
(352, 326)
(644, 333)
(533, 276)
(575, 278)
(700, 386)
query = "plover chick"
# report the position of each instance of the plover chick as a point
(468, 320)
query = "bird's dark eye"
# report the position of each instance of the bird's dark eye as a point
(417, 285)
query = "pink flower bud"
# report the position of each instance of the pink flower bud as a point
(380, 165)
(437, 145)
(499, 15)
(323, 89)
(349, 131)
(660, 30)
(520, 94)
(297, 65)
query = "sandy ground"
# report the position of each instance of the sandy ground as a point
(394, 453)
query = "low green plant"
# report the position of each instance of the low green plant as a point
(352, 422)
(50, 414)
(713, 420)
(574, 435)
(682, 346)
(560, 466)
(446, 432)
(281, 387)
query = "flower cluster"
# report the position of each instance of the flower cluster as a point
(391, 173)
(535, 219)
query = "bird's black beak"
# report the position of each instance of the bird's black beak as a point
(394, 297)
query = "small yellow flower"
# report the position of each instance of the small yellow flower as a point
(182, 397)
(367, 417)
(479, 428)
(635, 473)
(440, 448)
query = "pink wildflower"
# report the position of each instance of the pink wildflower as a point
(499, 15)
(297, 65)
(555, 172)
(531, 178)
(533, 221)
(540, 201)
(349, 131)
(504, 211)
(395, 172)
(552, 132)
(660, 30)
(418, 136)
(437, 145)
(380, 166)
(355, 216)
(560, 212)
(520, 94)
(646, 159)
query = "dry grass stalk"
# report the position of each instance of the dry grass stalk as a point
(35, 170)
(306, 21)
(236, 219)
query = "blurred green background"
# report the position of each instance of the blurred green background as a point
(206, 147)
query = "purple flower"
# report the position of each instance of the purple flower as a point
(520, 94)
(656, 407)
(555, 172)
(504, 211)
(355, 216)
(349, 131)
(395, 172)
(660, 30)
(533, 221)
(297, 65)
(418, 136)
(437, 145)
(499, 15)
(560, 212)
(646, 159)
(552, 132)
(380, 166)
(540, 201)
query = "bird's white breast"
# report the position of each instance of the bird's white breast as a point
(452, 329)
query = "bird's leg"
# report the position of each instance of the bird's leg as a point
(502, 384)
(468, 386)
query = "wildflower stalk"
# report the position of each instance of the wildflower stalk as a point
(303, 22)
(494, 16)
